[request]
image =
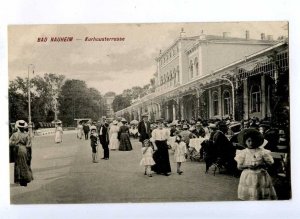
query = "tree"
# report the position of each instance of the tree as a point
(120, 102)
(17, 98)
(78, 101)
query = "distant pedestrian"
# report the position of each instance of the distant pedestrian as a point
(86, 130)
(255, 182)
(79, 130)
(123, 135)
(147, 160)
(180, 152)
(22, 144)
(58, 133)
(94, 144)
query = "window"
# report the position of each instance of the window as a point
(255, 99)
(215, 103)
(196, 65)
(227, 102)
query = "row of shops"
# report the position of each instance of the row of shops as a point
(218, 78)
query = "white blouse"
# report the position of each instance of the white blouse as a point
(160, 135)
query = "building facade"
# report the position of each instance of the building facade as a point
(216, 77)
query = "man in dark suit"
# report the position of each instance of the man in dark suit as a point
(104, 138)
(86, 130)
(144, 129)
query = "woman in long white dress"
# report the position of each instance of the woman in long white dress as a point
(79, 131)
(58, 133)
(113, 133)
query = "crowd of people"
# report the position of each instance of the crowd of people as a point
(241, 149)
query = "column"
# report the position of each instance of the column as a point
(209, 104)
(181, 109)
(246, 99)
(174, 111)
(263, 97)
(198, 105)
(220, 101)
(269, 101)
(167, 112)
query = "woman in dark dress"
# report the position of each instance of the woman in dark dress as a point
(159, 139)
(123, 136)
(22, 143)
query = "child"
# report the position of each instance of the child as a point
(94, 143)
(179, 152)
(147, 159)
(255, 182)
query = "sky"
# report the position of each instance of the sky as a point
(110, 66)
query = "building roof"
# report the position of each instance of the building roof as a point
(229, 40)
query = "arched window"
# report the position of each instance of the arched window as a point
(196, 66)
(255, 99)
(191, 69)
(215, 103)
(227, 102)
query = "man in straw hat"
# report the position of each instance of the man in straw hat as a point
(144, 128)
(104, 138)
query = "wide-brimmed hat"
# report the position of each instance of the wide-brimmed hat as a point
(115, 122)
(252, 133)
(212, 126)
(145, 115)
(160, 120)
(93, 127)
(21, 124)
(123, 120)
(185, 126)
(198, 123)
(146, 141)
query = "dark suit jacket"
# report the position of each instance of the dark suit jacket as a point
(142, 130)
(104, 138)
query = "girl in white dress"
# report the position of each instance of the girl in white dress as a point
(58, 133)
(179, 152)
(113, 133)
(255, 182)
(147, 160)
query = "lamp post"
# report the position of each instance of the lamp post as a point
(29, 102)
(223, 77)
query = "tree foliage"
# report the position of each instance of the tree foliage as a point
(51, 93)
(120, 102)
(79, 101)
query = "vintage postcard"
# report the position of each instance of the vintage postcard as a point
(147, 113)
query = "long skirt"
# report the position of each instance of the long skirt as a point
(161, 158)
(23, 173)
(114, 142)
(256, 185)
(58, 137)
(125, 144)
